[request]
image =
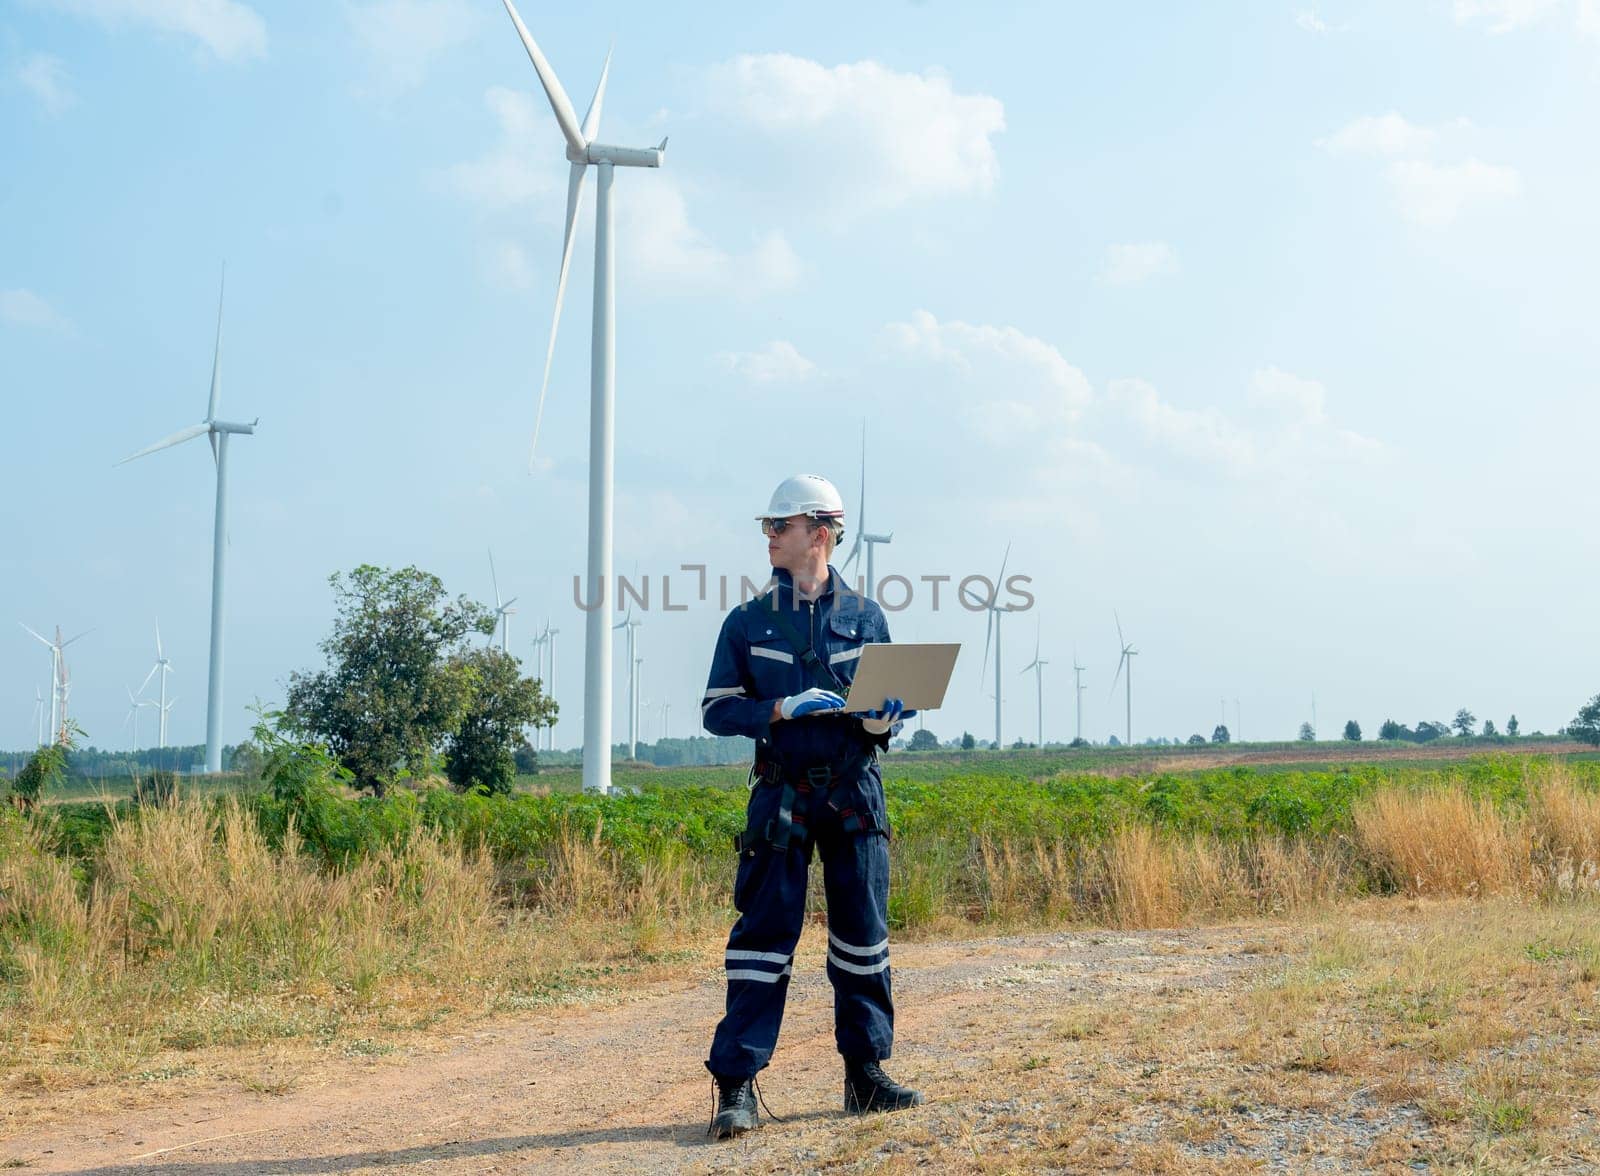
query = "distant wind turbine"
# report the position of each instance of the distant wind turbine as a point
(582, 152)
(218, 431)
(135, 704)
(1037, 665)
(502, 609)
(634, 661)
(60, 683)
(863, 537)
(38, 715)
(162, 667)
(992, 636)
(1128, 654)
(1079, 688)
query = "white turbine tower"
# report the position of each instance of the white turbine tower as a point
(634, 661)
(218, 431)
(502, 609)
(162, 667)
(60, 685)
(550, 642)
(863, 537)
(1128, 654)
(38, 715)
(1037, 665)
(992, 636)
(582, 151)
(1078, 686)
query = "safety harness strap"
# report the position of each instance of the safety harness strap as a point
(821, 672)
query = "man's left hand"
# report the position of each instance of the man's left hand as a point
(878, 722)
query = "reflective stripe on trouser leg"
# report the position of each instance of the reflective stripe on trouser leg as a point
(770, 894)
(855, 874)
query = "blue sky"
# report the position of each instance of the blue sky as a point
(1271, 327)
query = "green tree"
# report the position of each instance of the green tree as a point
(1352, 731)
(1307, 734)
(501, 705)
(1586, 727)
(1464, 722)
(1513, 728)
(1394, 730)
(1488, 729)
(924, 740)
(393, 687)
(46, 768)
(1427, 731)
(967, 741)
(1220, 735)
(1197, 740)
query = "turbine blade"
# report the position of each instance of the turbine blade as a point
(216, 355)
(988, 636)
(861, 516)
(560, 104)
(855, 550)
(1118, 674)
(177, 438)
(574, 198)
(1121, 644)
(1000, 583)
(36, 636)
(147, 678)
(159, 655)
(79, 637)
(495, 578)
(591, 119)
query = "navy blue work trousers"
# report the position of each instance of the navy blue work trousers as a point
(770, 895)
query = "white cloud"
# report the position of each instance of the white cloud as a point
(45, 77)
(524, 167)
(506, 263)
(1014, 385)
(1294, 399)
(1383, 134)
(778, 362)
(667, 251)
(24, 308)
(1129, 264)
(1310, 21)
(232, 31)
(1504, 16)
(1433, 195)
(1204, 434)
(402, 38)
(1428, 193)
(870, 137)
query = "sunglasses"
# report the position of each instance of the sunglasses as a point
(779, 526)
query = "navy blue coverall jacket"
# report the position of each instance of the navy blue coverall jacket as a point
(816, 786)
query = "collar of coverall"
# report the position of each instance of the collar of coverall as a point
(785, 580)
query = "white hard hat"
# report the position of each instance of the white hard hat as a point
(805, 494)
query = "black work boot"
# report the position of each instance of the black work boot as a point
(736, 1108)
(868, 1088)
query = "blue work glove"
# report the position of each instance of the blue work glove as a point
(810, 702)
(878, 722)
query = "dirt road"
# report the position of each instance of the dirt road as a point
(1052, 1051)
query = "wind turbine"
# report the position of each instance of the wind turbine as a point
(162, 667)
(502, 609)
(60, 685)
(666, 719)
(218, 431)
(550, 641)
(1077, 681)
(582, 151)
(992, 636)
(1128, 654)
(863, 537)
(1037, 665)
(634, 661)
(134, 705)
(38, 715)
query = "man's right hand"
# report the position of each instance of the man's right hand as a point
(809, 702)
